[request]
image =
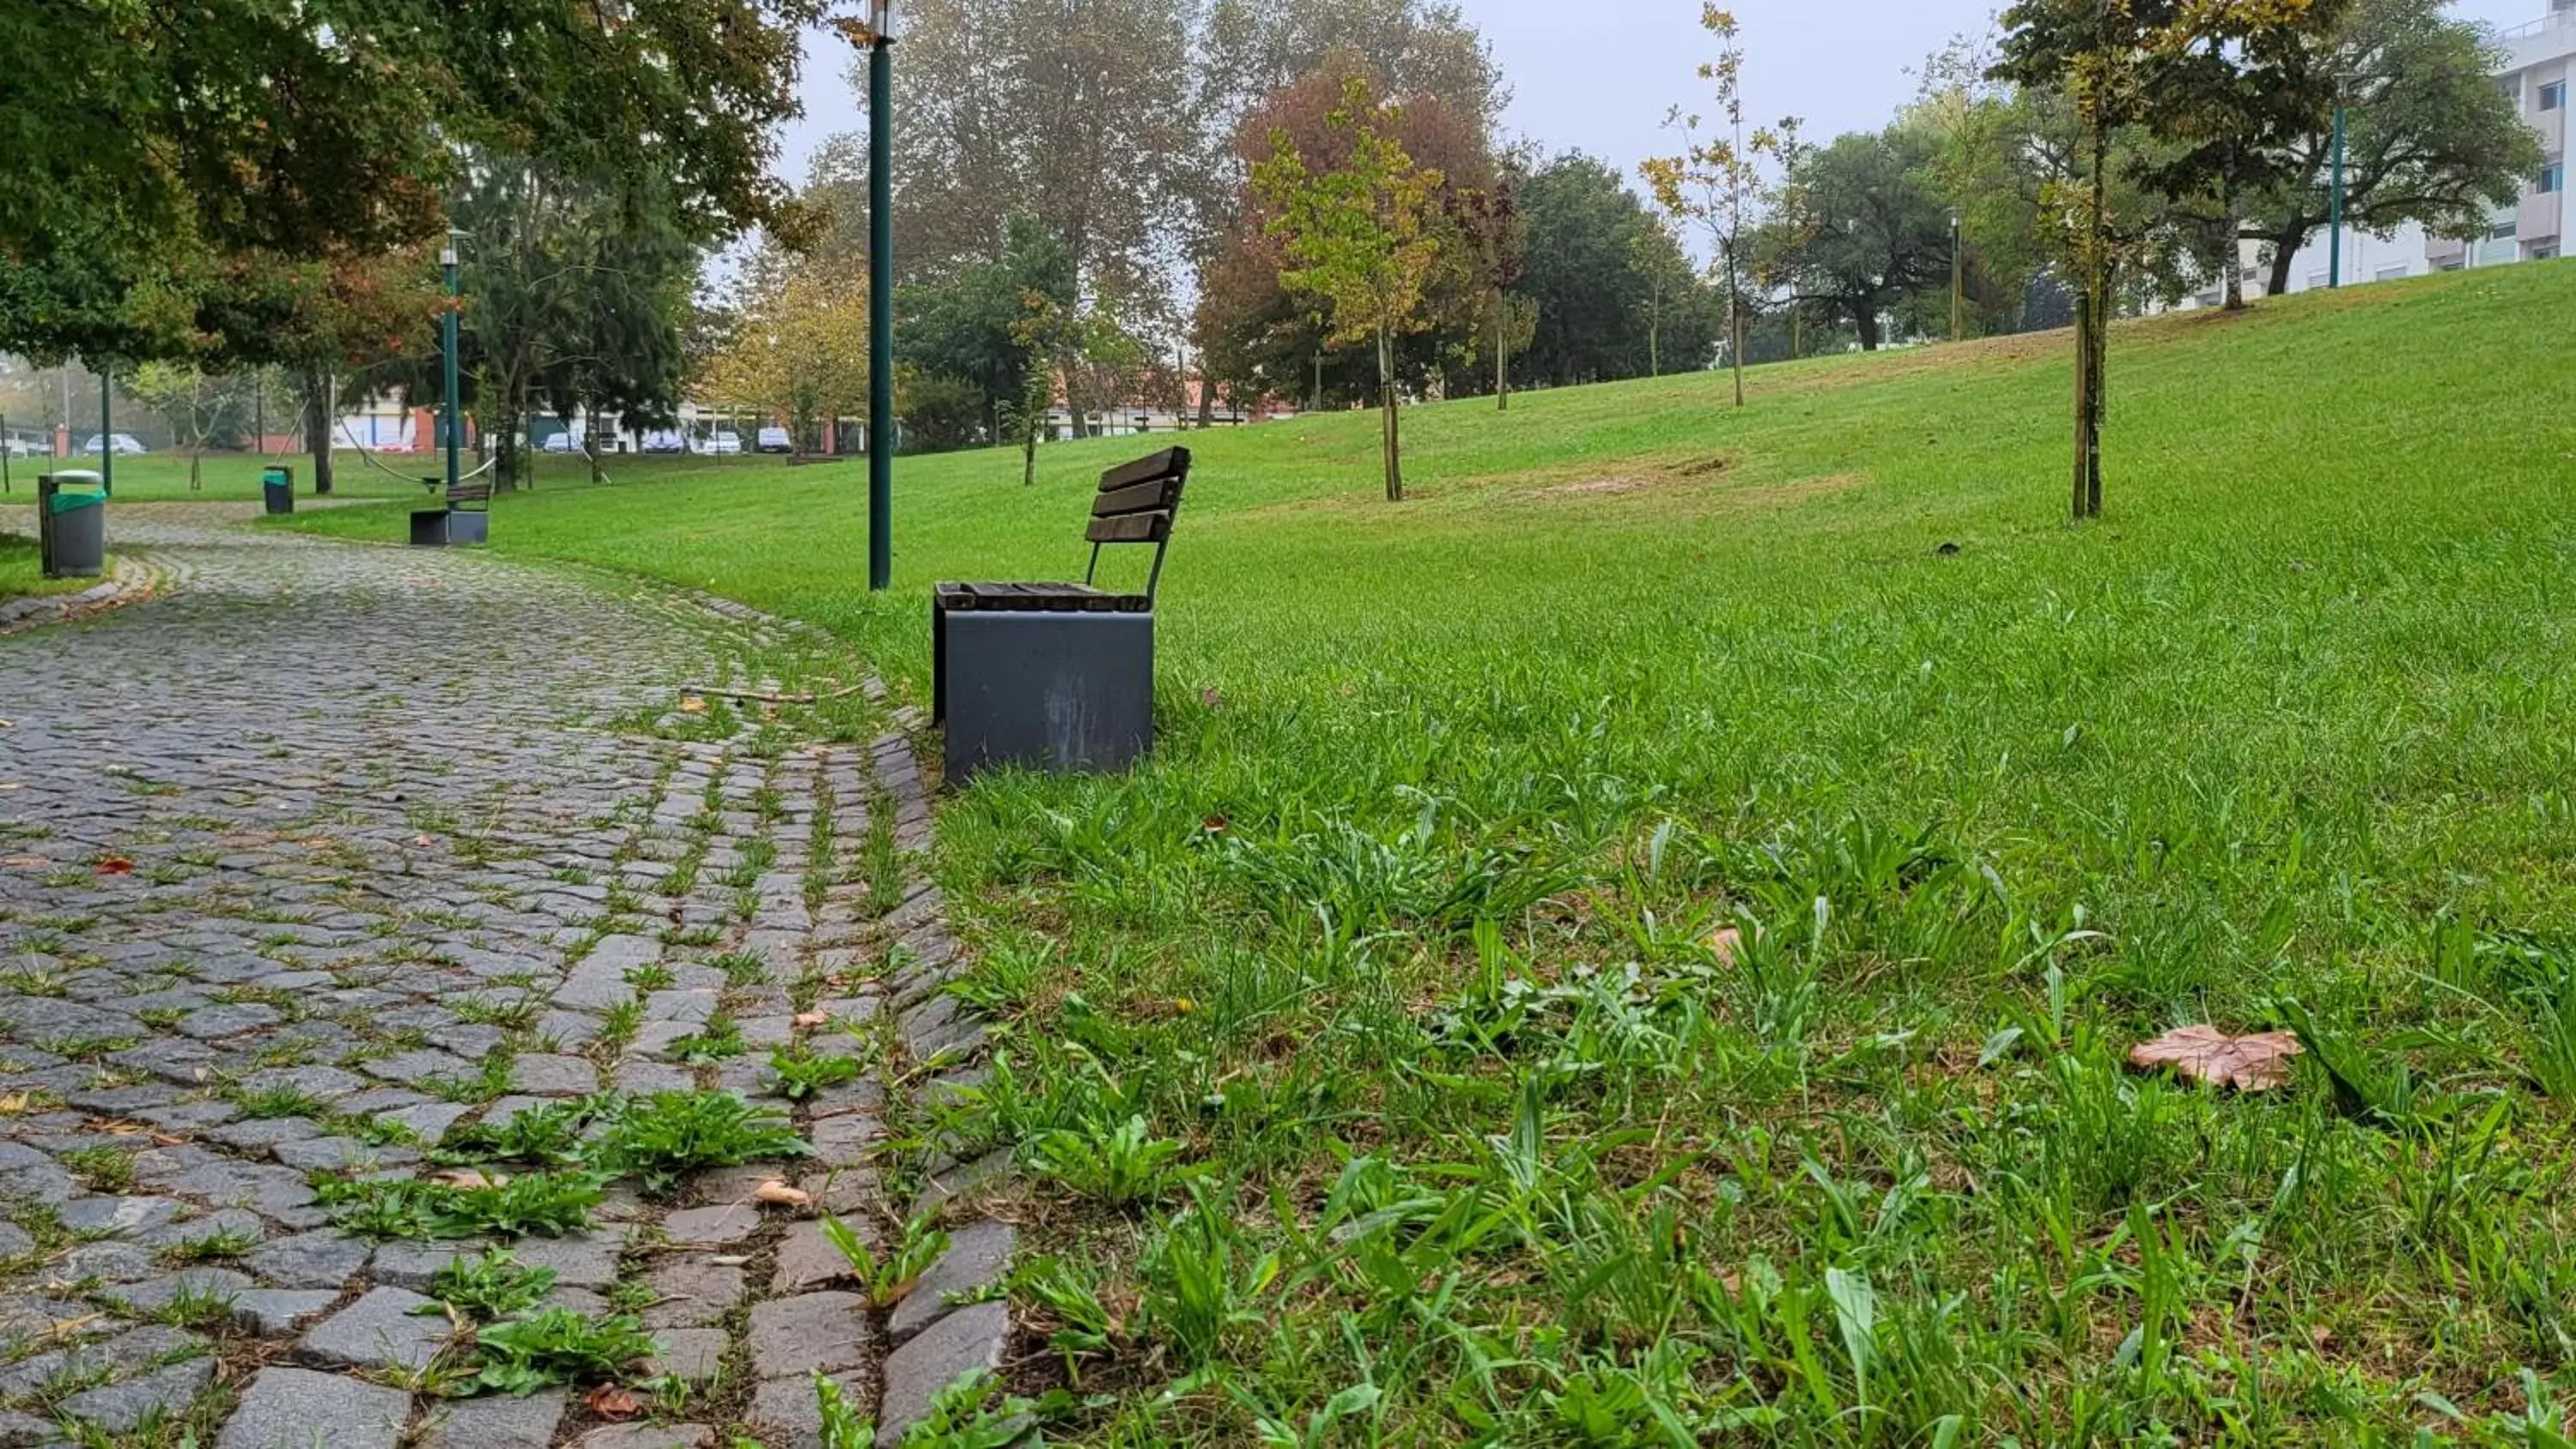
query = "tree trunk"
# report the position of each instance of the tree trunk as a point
(1207, 397)
(1318, 395)
(1735, 331)
(2083, 397)
(1386, 409)
(2282, 258)
(1502, 362)
(2232, 238)
(1865, 322)
(1654, 340)
(318, 408)
(1797, 331)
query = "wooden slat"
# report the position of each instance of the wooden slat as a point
(1166, 463)
(1138, 498)
(1131, 528)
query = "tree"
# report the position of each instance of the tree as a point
(800, 350)
(197, 407)
(1489, 226)
(1361, 236)
(2109, 59)
(1263, 337)
(283, 136)
(1614, 294)
(966, 325)
(1870, 228)
(1716, 181)
(2431, 139)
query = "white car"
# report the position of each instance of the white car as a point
(724, 445)
(774, 440)
(561, 443)
(124, 443)
(663, 440)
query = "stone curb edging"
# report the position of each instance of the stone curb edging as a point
(951, 1324)
(136, 576)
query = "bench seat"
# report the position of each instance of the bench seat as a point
(1039, 599)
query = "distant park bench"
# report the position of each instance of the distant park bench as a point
(1059, 676)
(464, 515)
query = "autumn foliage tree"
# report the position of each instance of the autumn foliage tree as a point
(1716, 183)
(799, 351)
(1363, 236)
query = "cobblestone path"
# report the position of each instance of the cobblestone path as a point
(335, 854)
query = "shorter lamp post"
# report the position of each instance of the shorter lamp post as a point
(2334, 200)
(447, 342)
(1958, 276)
(881, 428)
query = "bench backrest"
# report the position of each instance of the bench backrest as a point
(1136, 504)
(471, 494)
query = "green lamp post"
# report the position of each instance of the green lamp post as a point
(447, 344)
(881, 426)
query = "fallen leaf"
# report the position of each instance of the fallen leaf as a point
(779, 1194)
(468, 1177)
(2205, 1054)
(423, 841)
(1215, 824)
(1211, 699)
(115, 865)
(25, 862)
(612, 1402)
(1725, 943)
(812, 1018)
(693, 705)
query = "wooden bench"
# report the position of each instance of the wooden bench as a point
(1059, 674)
(465, 515)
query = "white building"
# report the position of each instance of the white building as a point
(2540, 63)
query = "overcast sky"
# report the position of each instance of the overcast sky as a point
(1600, 75)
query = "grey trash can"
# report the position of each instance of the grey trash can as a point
(277, 489)
(71, 524)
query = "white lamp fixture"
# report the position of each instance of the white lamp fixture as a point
(881, 19)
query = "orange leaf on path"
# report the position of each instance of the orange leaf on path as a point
(612, 1402)
(2205, 1054)
(779, 1194)
(693, 705)
(812, 1018)
(115, 865)
(1725, 944)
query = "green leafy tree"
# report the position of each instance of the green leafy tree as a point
(1717, 181)
(800, 350)
(207, 147)
(1363, 236)
(1489, 226)
(2431, 138)
(1867, 230)
(2109, 60)
(1615, 295)
(967, 324)
(198, 408)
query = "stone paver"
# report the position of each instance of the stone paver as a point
(287, 1408)
(321, 853)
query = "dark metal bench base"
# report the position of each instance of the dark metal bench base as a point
(441, 527)
(1056, 691)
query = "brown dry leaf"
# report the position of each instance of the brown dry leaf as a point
(24, 862)
(1724, 943)
(779, 1194)
(812, 1018)
(468, 1177)
(693, 705)
(2255, 1063)
(612, 1402)
(115, 865)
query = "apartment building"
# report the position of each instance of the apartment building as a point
(2540, 64)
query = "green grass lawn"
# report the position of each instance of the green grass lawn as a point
(22, 571)
(1382, 1067)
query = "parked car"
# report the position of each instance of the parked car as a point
(124, 443)
(724, 445)
(561, 443)
(665, 440)
(20, 448)
(774, 440)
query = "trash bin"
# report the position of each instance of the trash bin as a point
(71, 524)
(277, 489)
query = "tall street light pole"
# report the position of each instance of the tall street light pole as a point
(1958, 277)
(447, 342)
(881, 438)
(2334, 204)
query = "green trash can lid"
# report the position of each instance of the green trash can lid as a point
(273, 475)
(65, 502)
